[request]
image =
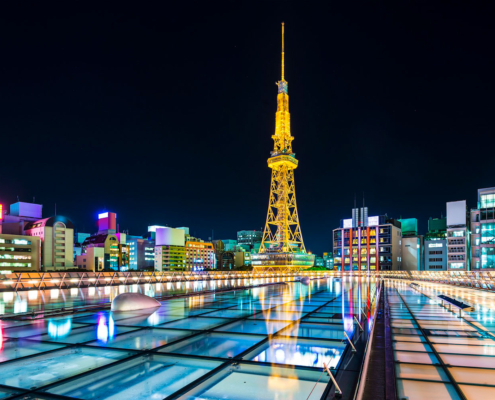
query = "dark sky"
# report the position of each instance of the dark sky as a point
(164, 114)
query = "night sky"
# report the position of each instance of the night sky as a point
(165, 114)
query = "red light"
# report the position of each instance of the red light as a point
(1, 211)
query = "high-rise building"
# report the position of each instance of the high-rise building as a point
(111, 256)
(370, 244)
(107, 249)
(249, 238)
(319, 262)
(457, 236)
(328, 259)
(482, 253)
(411, 245)
(107, 223)
(20, 214)
(229, 244)
(282, 247)
(200, 255)
(141, 253)
(57, 241)
(19, 253)
(435, 253)
(170, 251)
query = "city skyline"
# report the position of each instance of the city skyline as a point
(118, 113)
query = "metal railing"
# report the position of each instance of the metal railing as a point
(64, 280)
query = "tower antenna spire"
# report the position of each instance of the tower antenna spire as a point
(283, 53)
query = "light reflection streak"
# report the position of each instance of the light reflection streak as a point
(106, 330)
(59, 328)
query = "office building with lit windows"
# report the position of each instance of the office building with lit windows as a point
(364, 243)
(141, 253)
(112, 255)
(57, 241)
(483, 231)
(249, 238)
(20, 253)
(458, 237)
(170, 251)
(435, 253)
(169, 257)
(328, 259)
(200, 255)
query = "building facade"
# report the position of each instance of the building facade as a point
(141, 253)
(57, 241)
(19, 253)
(365, 243)
(457, 236)
(435, 253)
(483, 231)
(412, 246)
(20, 214)
(200, 255)
(249, 238)
(115, 254)
(169, 257)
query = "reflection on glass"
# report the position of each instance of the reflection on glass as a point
(154, 319)
(300, 354)
(106, 329)
(20, 305)
(58, 329)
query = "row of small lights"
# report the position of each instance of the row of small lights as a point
(75, 280)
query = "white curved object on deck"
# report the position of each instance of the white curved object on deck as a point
(133, 301)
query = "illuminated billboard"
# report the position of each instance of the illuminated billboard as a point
(153, 228)
(22, 209)
(107, 221)
(169, 237)
(456, 213)
(347, 223)
(409, 226)
(374, 221)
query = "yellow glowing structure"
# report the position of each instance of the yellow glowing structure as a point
(282, 246)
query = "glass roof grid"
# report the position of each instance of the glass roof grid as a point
(252, 379)
(233, 320)
(422, 357)
(461, 343)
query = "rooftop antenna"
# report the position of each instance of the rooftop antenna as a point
(354, 199)
(55, 208)
(363, 199)
(18, 198)
(283, 53)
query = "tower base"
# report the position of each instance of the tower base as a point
(281, 262)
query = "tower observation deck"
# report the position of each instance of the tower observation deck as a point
(282, 247)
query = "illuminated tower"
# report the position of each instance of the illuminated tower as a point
(282, 247)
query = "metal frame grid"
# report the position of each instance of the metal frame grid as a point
(272, 299)
(437, 353)
(64, 280)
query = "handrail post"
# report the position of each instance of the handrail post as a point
(350, 342)
(338, 392)
(360, 327)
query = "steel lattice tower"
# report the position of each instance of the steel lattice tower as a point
(282, 245)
